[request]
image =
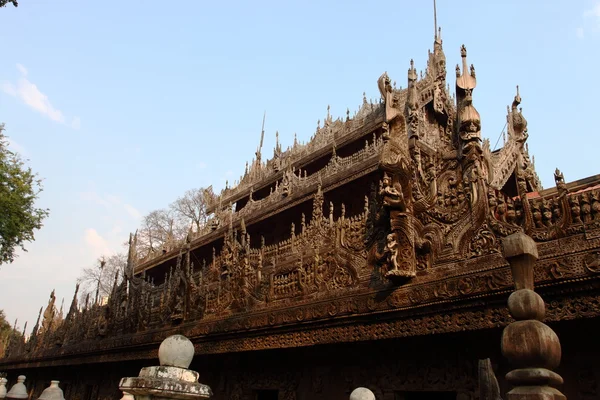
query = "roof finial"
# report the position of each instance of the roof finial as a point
(435, 30)
(517, 100)
(467, 80)
(262, 136)
(412, 72)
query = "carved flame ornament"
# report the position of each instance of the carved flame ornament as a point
(393, 209)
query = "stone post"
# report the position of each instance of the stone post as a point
(3, 388)
(18, 391)
(52, 392)
(172, 379)
(362, 393)
(531, 347)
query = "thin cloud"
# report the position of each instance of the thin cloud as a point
(132, 211)
(594, 12)
(30, 94)
(112, 202)
(116, 230)
(94, 197)
(76, 123)
(16, 147)
(22, 69)
(591, 21)
(96, 243)
(115, 214)
(112, 199)
(9, 89)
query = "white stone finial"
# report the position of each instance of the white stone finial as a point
(172, 380)
(176, 351)
(52, 392)
(3, 387)
(362, 393)
(18, 391)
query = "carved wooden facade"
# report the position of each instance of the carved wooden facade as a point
(385, 225)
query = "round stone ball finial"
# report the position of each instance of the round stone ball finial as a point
(176, 351)
(362, 393)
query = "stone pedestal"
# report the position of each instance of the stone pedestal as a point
(18, 391)
(172, 379)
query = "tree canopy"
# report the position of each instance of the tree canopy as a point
(5, 2)
(19, 189)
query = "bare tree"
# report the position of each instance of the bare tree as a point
(97, 281)
(190, 209)
(5, 332)
(160, 228)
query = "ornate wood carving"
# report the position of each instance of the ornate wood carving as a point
(397, 211)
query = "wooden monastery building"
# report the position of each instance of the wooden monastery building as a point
(369, 256)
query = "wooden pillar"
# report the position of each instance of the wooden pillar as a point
(531, 346)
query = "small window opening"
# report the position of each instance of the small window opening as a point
(267, 395)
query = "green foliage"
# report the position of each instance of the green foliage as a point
(5, 2)
(19, 189)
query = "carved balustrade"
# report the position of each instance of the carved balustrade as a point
(432, 219)
(297, 183)
(324, 138)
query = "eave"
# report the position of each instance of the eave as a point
(370, 123)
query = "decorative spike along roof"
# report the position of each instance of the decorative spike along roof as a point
(430, 89)
(427, 202)
(261, 172)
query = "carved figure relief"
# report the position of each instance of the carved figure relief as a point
(420, 223)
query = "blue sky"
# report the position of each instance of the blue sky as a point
(122, 107)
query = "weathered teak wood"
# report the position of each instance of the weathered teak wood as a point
(387, 224)
(530, 345)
